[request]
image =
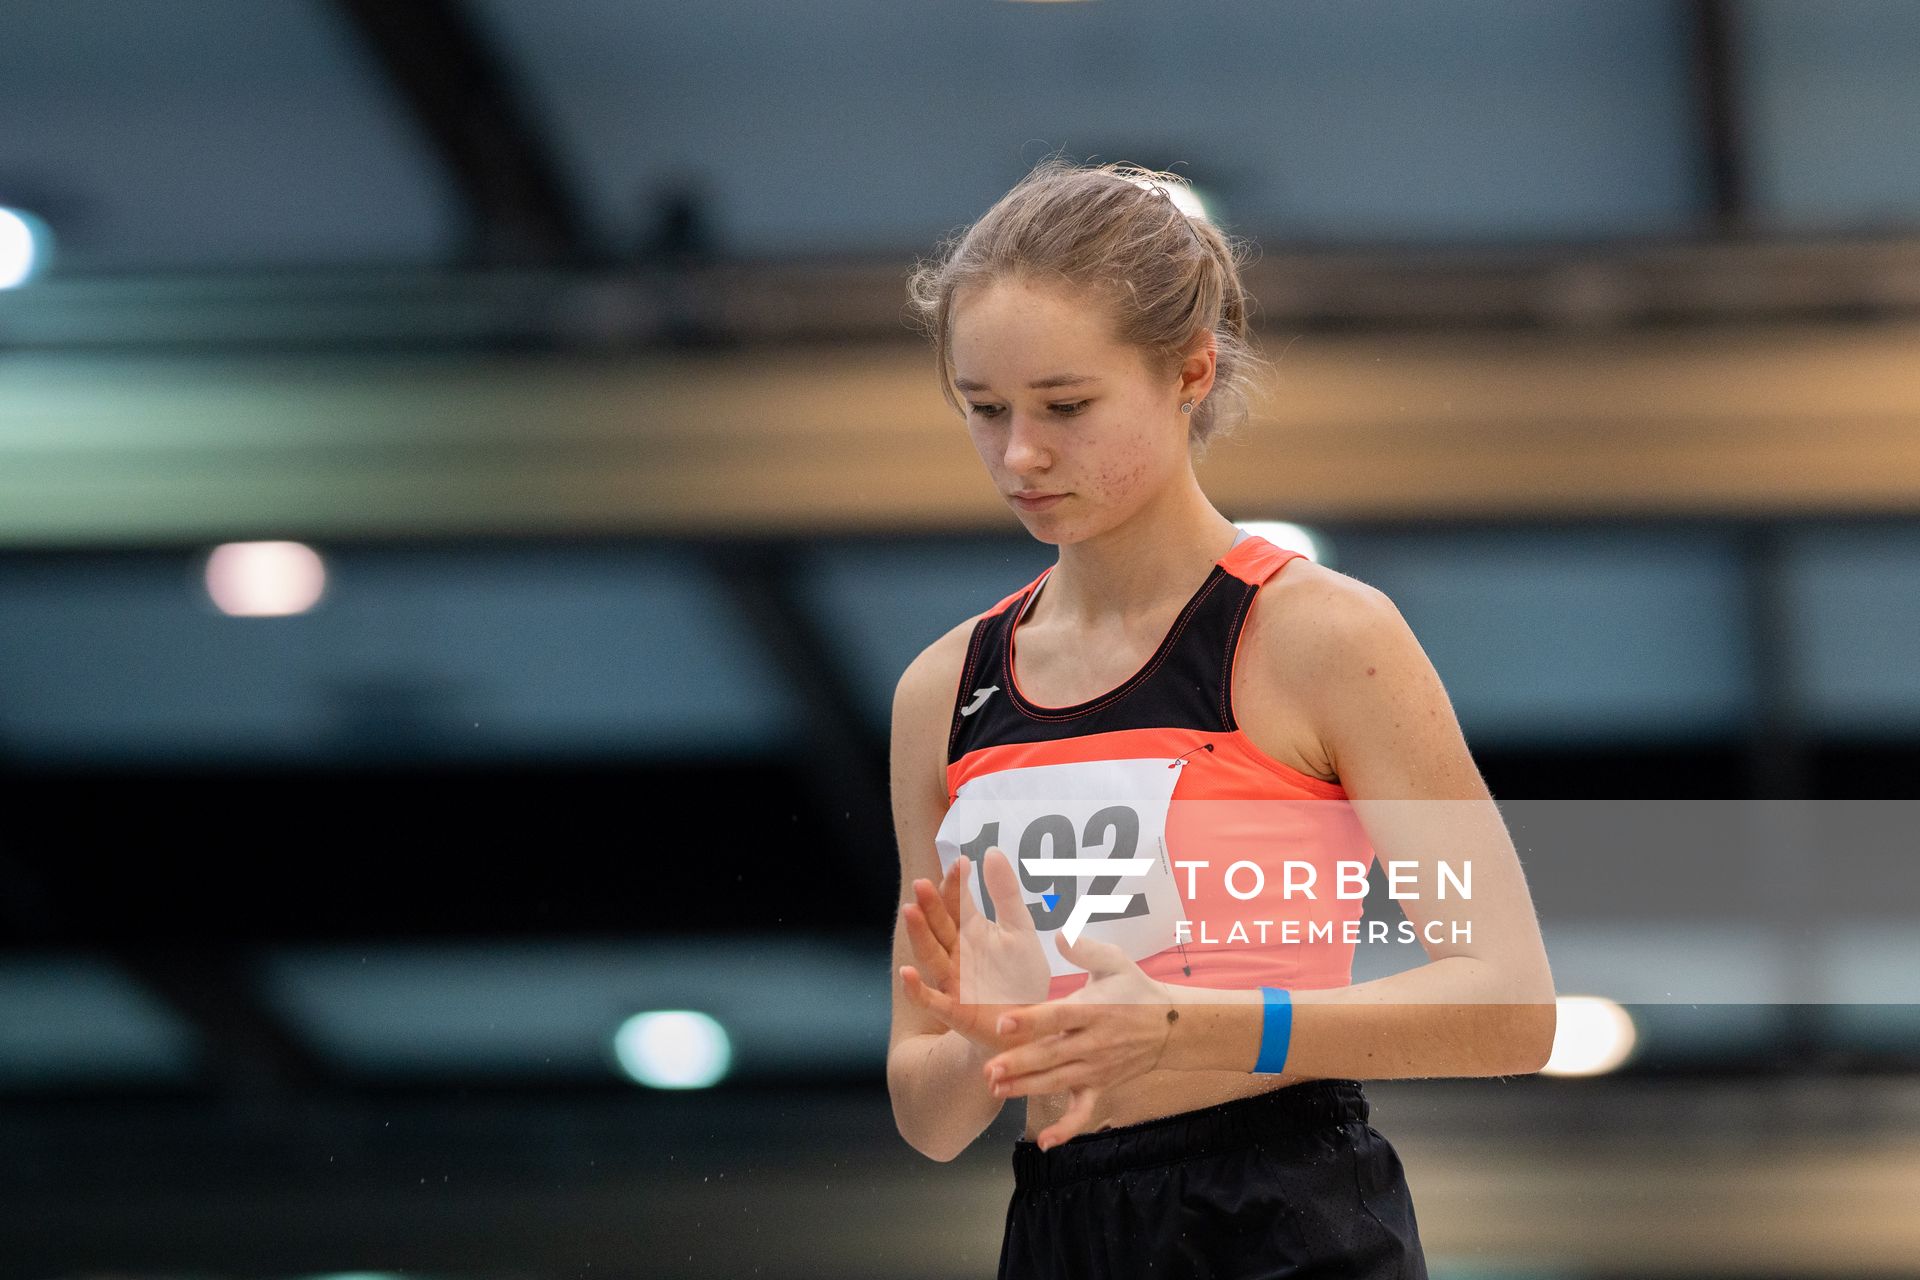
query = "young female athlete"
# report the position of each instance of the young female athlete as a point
(1178, 694)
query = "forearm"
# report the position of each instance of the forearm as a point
(941, 1102)
(1456, 1016)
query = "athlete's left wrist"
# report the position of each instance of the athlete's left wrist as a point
(1211, 1029)
(1166, 1015)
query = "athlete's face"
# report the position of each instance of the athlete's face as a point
(1105, 436)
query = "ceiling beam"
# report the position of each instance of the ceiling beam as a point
(752, 303)
(248, 1055)
(467, 102)
(1722, 128)
(844, 765)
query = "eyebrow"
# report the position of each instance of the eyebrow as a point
(1039, 384)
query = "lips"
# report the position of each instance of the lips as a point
(1038, 501)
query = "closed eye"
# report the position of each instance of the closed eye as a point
(1064, 410)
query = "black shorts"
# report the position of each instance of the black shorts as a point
(1293, 1182)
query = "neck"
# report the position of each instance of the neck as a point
(1134, 569)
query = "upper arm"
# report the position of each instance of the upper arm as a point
(1386, 723)
(922, 711)
(1370, 694)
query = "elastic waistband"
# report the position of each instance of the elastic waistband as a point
(1225, 1126)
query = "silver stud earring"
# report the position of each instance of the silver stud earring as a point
(1187, 407)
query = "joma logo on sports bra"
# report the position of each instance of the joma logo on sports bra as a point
(980, 697)
(1066, 823)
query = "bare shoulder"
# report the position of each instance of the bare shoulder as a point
(929, 684)
(1307, 612)
(1308, 624)
(917, 764)
(1347, 678)
(923, 705)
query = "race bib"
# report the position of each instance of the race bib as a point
(1089, 843)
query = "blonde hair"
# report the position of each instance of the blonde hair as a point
(1165, 277)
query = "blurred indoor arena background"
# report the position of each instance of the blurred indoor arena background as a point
(468, 488)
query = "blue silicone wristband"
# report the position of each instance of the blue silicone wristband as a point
(1276, 1030)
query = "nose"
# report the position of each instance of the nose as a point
(1026, 449)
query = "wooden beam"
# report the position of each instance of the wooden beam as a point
(1774, 420)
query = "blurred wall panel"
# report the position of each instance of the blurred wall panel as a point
(194, 135)
(1834, 100)
(1574, 635)
(1321, 121)
(1855, 605)
(465, 654)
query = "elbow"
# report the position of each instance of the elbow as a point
(908, 1131)
(1530, 1018)
(1530, 1040)
(927, 1145)
(942, 1148)
(931, 1148)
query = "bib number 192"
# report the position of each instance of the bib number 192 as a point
(1076, 832)
(1052, 835)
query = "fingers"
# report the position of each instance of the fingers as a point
(941, 904)
(953, 888)
(969, 915)
(1003, 884)
(933, 903)
(935, 960)
(1036, 1021)
(934, 1001)
(1055, 1079)
(1035, 1056)
(1078, 1115)
(1093, 955)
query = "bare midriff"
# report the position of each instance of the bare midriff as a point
(1156, 1094)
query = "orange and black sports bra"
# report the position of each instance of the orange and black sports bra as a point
(1011, 758)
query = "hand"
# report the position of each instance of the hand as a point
(1113, 1029)
(970, 969)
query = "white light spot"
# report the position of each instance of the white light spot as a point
(24, 242)
(1184, 198)
(1292, 537)
(673, 1049)
(1594, 1035)
(264, 579)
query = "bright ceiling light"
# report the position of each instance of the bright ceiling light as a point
(264, 579)
(1184, 197)
(24, 245)
(673, 1049)
(1294, 537)
(1593, 1036)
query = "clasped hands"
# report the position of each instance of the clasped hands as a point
(988, 979)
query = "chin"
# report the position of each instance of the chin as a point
(1058, 535)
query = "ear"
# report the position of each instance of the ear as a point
(1197, 370)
